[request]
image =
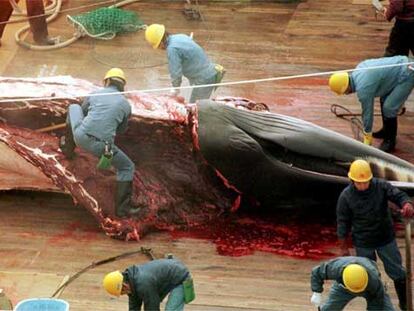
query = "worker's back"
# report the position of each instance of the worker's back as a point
(162, 275)
(333, 269)
(186, 54)
(381, 81)
(104, 114)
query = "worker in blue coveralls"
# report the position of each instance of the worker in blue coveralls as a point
(363, 210)
(353, 277)
(392, 84)
(148, 284)
(93, 126)
(185, 58)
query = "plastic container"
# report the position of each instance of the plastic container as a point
(42, 304)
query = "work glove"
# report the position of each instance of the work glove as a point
(407, 210)
(174, 92)
(368, 139)
(316, 299)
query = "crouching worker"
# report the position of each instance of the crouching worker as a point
(353, 277)
(93, 127)
(150, 283)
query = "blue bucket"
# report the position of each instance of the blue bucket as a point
(42, 304)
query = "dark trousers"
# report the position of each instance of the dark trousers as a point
(38, 25)
(339, 297)
(390, 256)
(401, 40)
(5, 12)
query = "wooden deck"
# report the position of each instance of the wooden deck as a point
(43, 237)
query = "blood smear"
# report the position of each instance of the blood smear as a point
(240, 236)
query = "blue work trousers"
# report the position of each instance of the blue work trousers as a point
(175, 300)
(339, 297)
(390, 256)
(125, 168)
(396, 99)
(202, 92)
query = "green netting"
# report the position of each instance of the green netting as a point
(105, 23)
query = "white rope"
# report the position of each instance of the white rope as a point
(77, 35)
(62, 11)
(49, 9)
(210, 85)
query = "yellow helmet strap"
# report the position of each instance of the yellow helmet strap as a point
(164, 41)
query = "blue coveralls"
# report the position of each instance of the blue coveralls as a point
(186, 58)
(375, 294)
(97, 122)
(393, 85)
(152, 282)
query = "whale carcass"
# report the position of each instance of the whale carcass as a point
(193, 162)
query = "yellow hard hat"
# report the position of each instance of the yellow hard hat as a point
(115, 73)
(154, 34)
(360, 171)
(355, 278)
(338, 82)
(112, 283)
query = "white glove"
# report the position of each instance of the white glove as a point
(316, 299)
(174, 92)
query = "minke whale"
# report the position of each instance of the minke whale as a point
(285, 161)
(194, 163)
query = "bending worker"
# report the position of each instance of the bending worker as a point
(93, 127)
(150, 283)
(392, 84)
(185, 58)
(353, 277)
(363, 209)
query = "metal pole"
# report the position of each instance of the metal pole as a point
(51, 128)
(408, 264)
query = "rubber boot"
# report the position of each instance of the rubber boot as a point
(390, 126)
(123, 200)
(400, 288)
(381, 132)
(66, 142)
(38, 25)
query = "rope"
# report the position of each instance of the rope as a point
(207, 43)
(75, 37)
(48, 9)
(44, 47)
(143, 250)
(356, 123)
(307, 75)
(63, 11)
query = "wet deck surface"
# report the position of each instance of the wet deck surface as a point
(44, 238)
